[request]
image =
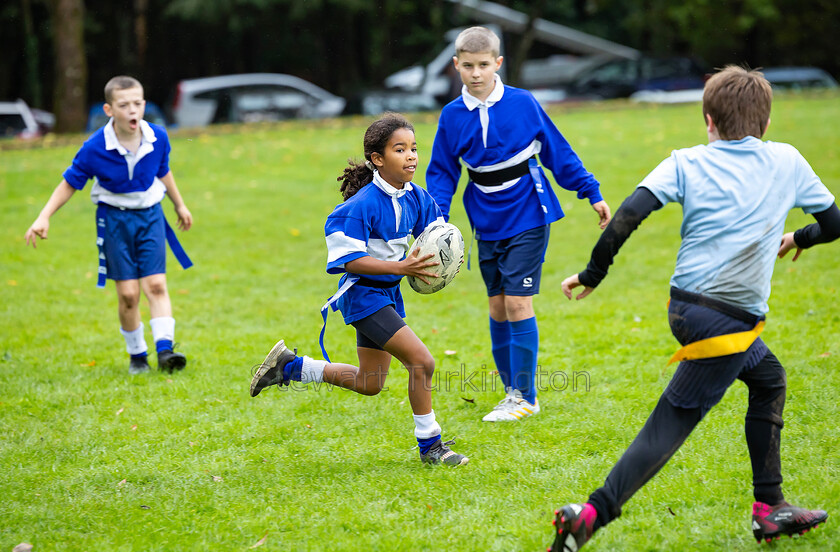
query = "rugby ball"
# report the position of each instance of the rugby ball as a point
(446, 243)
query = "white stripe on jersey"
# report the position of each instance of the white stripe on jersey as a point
(339, 244)
(391, 250)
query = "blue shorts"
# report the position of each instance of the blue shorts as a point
(360, 301)
(513, 266)
(702, 383)
(135, 242)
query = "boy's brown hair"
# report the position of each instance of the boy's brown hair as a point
(738, 100)
(476, 40)
(121, 82)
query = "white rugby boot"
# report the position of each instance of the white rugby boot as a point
(512, 408)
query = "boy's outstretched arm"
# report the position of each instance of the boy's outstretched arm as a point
(826, 229)
(62, 193)
(629, 216)
(184, 215)
(603, 211)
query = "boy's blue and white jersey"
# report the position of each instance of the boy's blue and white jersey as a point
(376, 221)
(736, 195)
(504, 131)
(122, 178)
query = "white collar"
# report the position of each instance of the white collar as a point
(472, 102)
(111, 141)
(387, 188)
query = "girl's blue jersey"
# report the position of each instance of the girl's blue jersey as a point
(376, 221)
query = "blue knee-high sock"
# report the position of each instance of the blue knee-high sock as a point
(500, 345)
(524, 343)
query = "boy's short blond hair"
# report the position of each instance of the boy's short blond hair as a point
(476, 40)
(121, 82)
(738, 100)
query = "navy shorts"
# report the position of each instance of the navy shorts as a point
(703, 382)
(513, 266)
(135, 242)
(374, 331)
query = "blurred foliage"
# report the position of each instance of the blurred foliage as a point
(349, 45)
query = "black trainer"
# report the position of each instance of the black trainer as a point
(169, 361)
(771, 522)
(270, 372)
(575, 524)
(441, 453)
(138, 365)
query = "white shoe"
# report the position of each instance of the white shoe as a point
(512, 408)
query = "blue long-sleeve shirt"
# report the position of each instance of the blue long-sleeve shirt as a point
(505, 130)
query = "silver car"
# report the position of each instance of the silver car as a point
(17, 121)
(250, 97)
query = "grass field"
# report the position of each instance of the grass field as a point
(92, 459)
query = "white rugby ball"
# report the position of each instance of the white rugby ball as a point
(446, 243)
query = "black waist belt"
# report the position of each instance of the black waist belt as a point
(497, 178)
(367, 282)
(715, 304)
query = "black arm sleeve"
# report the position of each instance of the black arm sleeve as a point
(629, 216)
(826, 229)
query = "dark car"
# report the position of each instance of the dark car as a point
(97, 118)
(620, 78)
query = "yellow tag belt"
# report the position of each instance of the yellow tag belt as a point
(720, 345)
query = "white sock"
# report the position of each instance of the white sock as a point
(312, 370)
(135, 342)
(425, 426)
(163, 327)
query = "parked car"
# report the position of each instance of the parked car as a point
(97, 118)
(621, 78)
(374, 102)
(250, 97)
(18, 121)
(798, 78)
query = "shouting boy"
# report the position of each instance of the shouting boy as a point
(128, 159)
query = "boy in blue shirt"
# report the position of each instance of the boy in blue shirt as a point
(498, 131)
(129, 161)
(735, 193)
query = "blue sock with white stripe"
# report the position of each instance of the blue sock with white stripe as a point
(292, 369)
(500, 345)
(525, 342)
(426, 444)
(163, 345)
(426, 430)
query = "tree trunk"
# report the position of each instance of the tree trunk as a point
(31, 82)
(141, 33)
(525, 42)
(70, 65)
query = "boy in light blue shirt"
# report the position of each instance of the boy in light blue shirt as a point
(735, 193)
(128, 159)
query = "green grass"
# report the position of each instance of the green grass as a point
(92, 459)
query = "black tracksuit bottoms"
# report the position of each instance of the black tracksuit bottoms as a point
(696, 387)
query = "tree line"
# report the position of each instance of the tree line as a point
(59, 53)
